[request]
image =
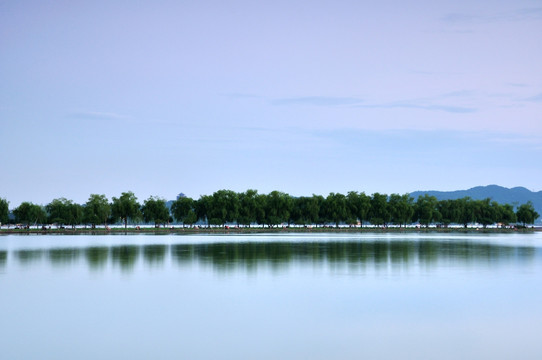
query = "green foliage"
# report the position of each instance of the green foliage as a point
(28, 213)
(506, 214)
(336, 208)
(226, 206)
(305, 210)
(450, 211)
(4, 211)
(64, 212)
(526, 214)
(250, 208)
(484, 213)
(221, 207)
(278, 206)
(401, 208)
(155, 210)
(359, 205)
(97, 210)
(426, 210)
(379, 213)
(466, 209)
(201, 206)
(183, 210)
(125, 207)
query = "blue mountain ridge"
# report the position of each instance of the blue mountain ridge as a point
(514, 196)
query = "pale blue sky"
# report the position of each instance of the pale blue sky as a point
(159, 97)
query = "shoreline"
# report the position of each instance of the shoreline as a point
(223, 231)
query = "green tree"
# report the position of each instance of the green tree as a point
(401, 208)
(126, 207)
(484, 213)
(222, 207)
(466, 211)
(28, 213)
(336, 208)
(64, 212)
(426, 210)
(154, 209)
(379, 213)
(201, 207)
(526, 214)
(249, 207)
(359, 205)
(183, 210)
(4, 211)
(312, 208)
(261, 205)
(506, 214)
(76, 214)
(449, 211)
(305, 210)
(278, 206)
(97, 210)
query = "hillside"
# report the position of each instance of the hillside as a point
(514, 196)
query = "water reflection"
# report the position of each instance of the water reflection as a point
(28, 256)
(63, 256)
(3, 258)
(154, 254)
(125, 256)
(249, 256)
(96, 256)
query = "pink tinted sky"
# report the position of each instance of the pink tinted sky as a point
(303, 97)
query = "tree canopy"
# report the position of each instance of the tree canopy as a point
(526, 214)
(28, 213)
(273, 209)
(97, 210)
(155, 210)
(125, 207)
(4, 211)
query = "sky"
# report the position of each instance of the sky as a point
(304, 97)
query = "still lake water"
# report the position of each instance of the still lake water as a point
(297, 296)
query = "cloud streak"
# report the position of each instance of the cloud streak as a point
(317, 101)
(94, 115)
(536, 98)
(430, 104)
(406, 105)
(523, 14)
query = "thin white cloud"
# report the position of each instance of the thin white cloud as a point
(536, 98)
(520, 85)
(241, 96)
(405, 105)
(94, 115)
(317, 101)
(524, 14)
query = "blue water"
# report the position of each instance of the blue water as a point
(299, 296)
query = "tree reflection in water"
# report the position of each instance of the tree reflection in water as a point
(3, 258)
(249, 256)
(125, 256)
(96, 256)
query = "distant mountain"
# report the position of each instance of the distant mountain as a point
(514, 196)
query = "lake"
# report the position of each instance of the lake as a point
(275, 296)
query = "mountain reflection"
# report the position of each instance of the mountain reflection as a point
(250, 256)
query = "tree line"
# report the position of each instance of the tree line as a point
(276, 208)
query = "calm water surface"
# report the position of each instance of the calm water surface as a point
(308, 296)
